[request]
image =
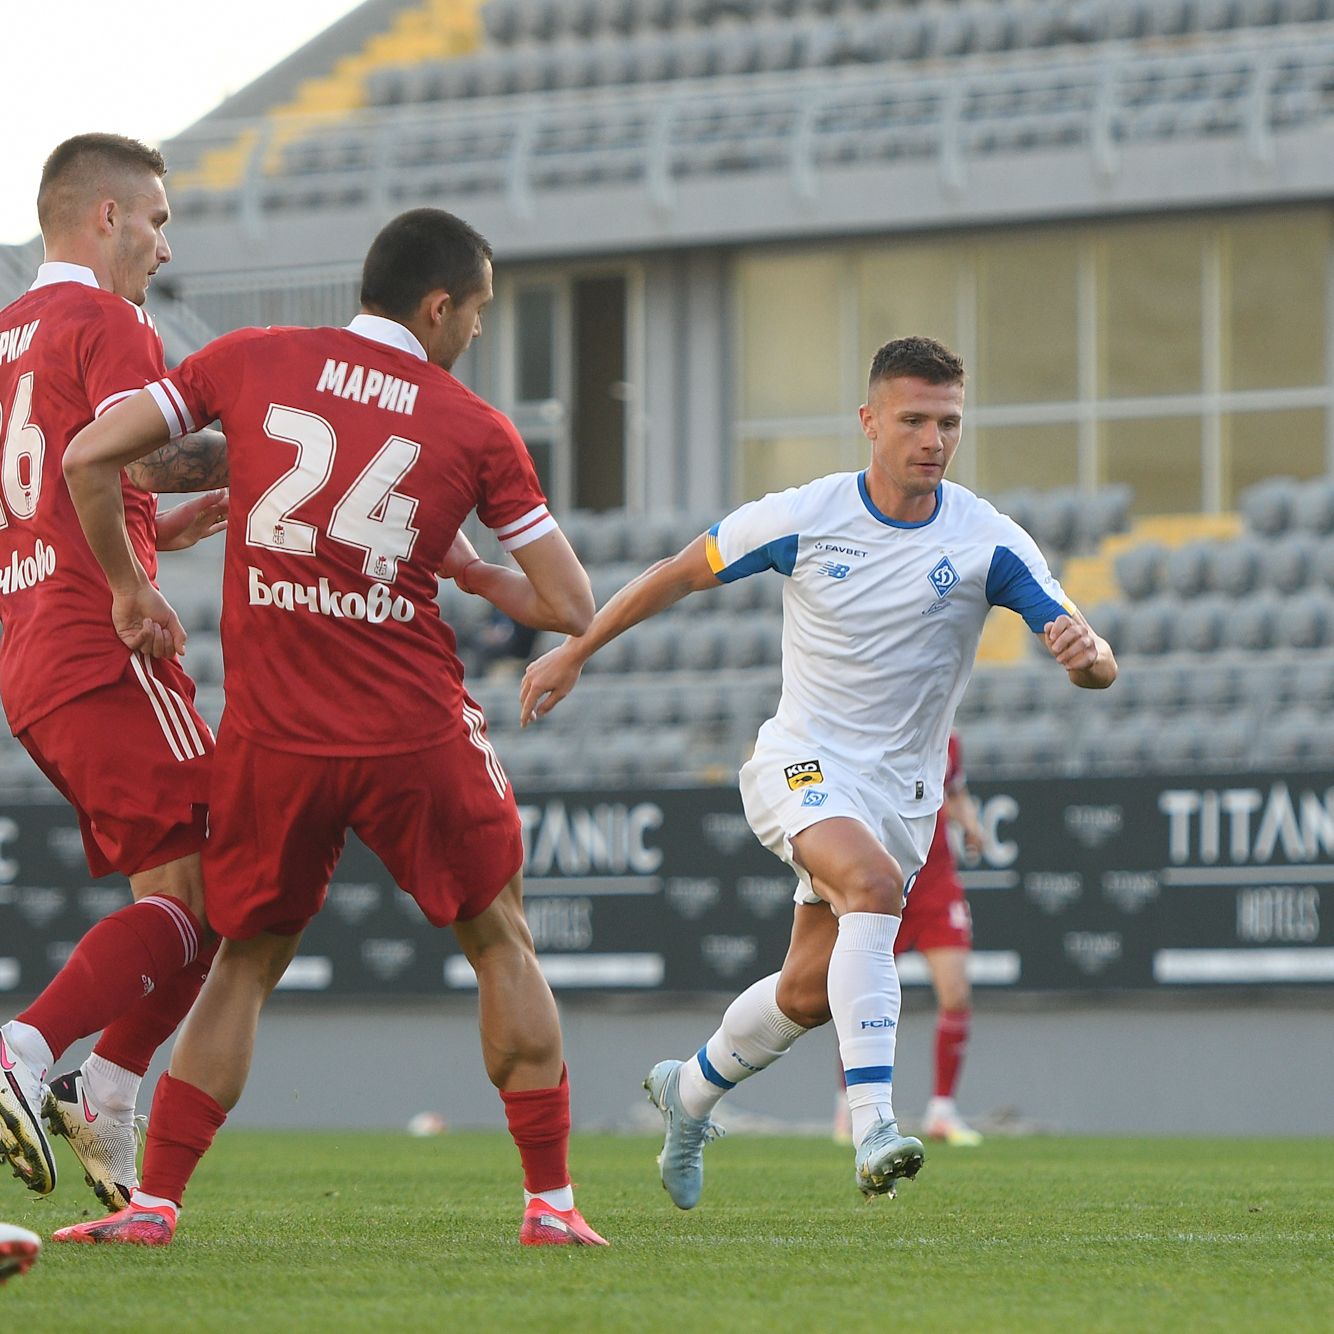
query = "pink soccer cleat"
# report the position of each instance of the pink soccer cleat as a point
(545, 1226)
(136, 1226)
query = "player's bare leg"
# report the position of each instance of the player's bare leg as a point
(523, 1053)
(109, 980)
(852, 871)
(949, 978)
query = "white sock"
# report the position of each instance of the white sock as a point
(754, 1033)
(31, 1047)
(561, 1199)
(112, 1088)
(939, 1106)
(864, 997)
(140, 1200)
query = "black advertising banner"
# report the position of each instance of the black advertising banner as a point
(1095, 883)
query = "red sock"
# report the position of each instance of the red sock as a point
(539, 1121)
(131, 1040)
(951, 1039)
(180, 1130)
(119, 961)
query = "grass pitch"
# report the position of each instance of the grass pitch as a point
(370, 1232)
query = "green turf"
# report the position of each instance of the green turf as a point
(370, 1232)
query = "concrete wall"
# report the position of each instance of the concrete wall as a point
(1191, 1065)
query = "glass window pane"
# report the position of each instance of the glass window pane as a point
(911, 289)
(1026, 325)
(1009, 457)
(1274, 299)
(1271, 444)
(1160, 457)
(790, 327)
(535, 309)
(1150, 310)
(779, 462)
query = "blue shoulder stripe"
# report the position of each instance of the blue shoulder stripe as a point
(780, 555)
(1010, 583)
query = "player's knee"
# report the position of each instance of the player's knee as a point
(876, 889)
(803, 1001)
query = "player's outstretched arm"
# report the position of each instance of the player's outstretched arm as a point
(196, 462)
(192, 521)
(1086, 657)
(548, 680)
(93, 461)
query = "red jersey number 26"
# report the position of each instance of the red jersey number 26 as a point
(21, 458)
(371, 516)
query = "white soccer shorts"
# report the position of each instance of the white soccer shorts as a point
(787, 786)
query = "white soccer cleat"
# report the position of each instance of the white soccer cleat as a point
(885, 1157)
(107, 1148)
(23, 1140)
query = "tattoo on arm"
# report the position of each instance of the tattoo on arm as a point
(195, 462)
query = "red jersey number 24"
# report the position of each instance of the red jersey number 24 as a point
(371, 516)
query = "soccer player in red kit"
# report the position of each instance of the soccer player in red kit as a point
(936, 921)
(354, 459)
(115, 731)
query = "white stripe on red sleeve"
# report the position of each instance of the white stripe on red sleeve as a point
(111, 400)
(175, 427)
(536, 523)
(179, 400)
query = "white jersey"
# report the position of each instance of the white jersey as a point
(881, 619)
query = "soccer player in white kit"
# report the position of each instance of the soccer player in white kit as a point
(890, 574)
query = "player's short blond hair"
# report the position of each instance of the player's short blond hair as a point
(86, 166)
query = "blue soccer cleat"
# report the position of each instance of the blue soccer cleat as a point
(884, 1157)
(681, 1162)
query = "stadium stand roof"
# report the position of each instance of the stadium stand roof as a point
(707, 129)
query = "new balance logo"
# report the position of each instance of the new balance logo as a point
(835, 571)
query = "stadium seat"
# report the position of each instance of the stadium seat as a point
(1174, 744)
(1287, 562)
(1186, 570)
(1199, 625)
(1267, 506)
(653, 644)
(1253, 623)
(1224, 743)
(1306, 622)
(1322, 563)
(1234, 567)
(1139, 571)
(1149, 626)
(1161, 687)
(1311, 682)
(1313, 508)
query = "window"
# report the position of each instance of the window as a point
(1263, 444)
(1009, 457)
(911, 289)
(790, 336)
(1161, 459)
(1027, 331)
(1150, 306)
(1274, 289)
(776, 463)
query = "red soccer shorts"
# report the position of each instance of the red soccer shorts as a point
(442, 820)
(133, 758)
(936, 916)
